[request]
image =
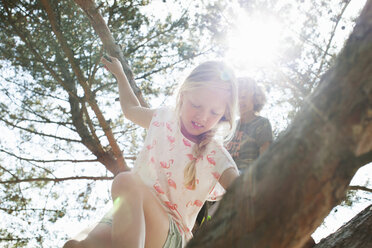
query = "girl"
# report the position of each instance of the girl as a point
(181, 165)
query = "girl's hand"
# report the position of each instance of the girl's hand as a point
(113, 65)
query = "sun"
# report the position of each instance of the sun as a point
(253, 40)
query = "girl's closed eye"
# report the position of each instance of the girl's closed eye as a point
(195, 105)
(215, 113)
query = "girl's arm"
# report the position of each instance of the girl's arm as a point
(228, 177)
(129, 103)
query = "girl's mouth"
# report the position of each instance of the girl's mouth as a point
(196, 125)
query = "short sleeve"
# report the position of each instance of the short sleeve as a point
(223, 162)
(264, 132)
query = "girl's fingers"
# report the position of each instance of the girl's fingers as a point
(103, 60)
(108, 58)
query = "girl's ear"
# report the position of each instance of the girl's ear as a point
(181, 99)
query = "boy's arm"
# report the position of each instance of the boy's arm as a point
(264, 147)
(130, 105)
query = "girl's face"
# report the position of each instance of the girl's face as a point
(201, 110)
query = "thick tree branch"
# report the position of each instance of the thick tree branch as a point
(360, 236)
(99, 25)
(285, 195)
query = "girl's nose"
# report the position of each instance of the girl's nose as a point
(202, 115)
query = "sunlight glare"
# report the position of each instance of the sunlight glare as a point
(254, 40)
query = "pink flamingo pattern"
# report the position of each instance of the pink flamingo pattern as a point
(196, 203)
(171, 183)
(171, 140)
(158, 188)
(170, 205)
(156, 124)
(149, 147)
(216, 175)
(168, 125)
(186, 142)
(166, 165)
(190, 156)
(211, 159)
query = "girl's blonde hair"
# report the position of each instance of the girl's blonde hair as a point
(210, 74)
(259, 96)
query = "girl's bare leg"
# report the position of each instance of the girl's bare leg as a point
(139, 220)
(99, 237)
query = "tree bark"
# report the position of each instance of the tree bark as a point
(354, 234)
(285, 195)
(109, 43)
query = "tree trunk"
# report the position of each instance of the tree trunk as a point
(281, 199)
(356, 233)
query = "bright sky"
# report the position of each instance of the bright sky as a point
(254, 41)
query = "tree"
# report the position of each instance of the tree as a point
(342, 238)
(63, 106)
(310, 166)
(59, 104)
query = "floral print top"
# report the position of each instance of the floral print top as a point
(161, 165)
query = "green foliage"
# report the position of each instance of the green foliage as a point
(44, 106)
(49, 125)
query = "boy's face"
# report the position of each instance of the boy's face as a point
(245, 99)
(201, 110)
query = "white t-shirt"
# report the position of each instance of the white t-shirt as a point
(161, 165)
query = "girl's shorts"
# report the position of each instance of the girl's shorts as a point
(107, 219)
(174, 238)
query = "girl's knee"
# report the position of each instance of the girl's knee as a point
(124, 183)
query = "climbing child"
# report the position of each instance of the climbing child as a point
(253, 134)
(183, 162)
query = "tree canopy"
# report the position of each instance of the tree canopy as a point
(64, 135)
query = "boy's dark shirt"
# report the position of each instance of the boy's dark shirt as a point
(248, 138)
